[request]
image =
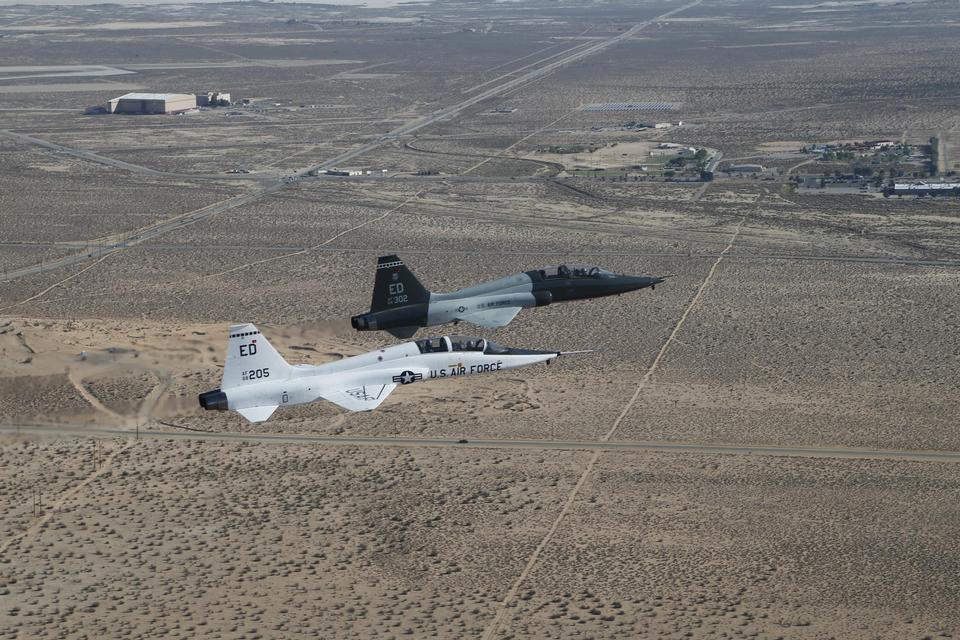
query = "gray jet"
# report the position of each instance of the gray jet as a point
(401, 305)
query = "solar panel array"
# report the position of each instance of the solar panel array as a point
(630, 106)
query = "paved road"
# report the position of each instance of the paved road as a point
(776, 257)
(92, 156)
(358, 441)
(142, 235)
(85, 155)
(508, 85)
(715, 158)
(943, 163)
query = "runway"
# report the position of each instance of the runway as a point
(66, 431)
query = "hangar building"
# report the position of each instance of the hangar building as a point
(152, 103)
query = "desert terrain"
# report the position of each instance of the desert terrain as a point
(763, 447)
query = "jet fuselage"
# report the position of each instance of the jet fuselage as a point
(490, 304)
(257, 380)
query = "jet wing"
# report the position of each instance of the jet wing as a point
(359, 397)
(491, 318)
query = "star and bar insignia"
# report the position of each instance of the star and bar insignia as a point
(407, 377)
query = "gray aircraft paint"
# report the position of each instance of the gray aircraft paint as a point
(514, 291)
(401, 304)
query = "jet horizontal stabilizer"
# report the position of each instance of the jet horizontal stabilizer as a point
(403, 333)
(257, 414)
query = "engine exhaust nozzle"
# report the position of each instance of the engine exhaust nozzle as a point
(214, 400)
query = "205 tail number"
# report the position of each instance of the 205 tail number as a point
(256, 374)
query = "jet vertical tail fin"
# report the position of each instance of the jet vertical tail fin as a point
(396, 286)
(251, 358)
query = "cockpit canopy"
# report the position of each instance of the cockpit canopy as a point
(459, 343)
(575, 271)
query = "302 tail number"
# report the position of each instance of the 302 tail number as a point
(397, 296)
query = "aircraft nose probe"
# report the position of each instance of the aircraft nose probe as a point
(655, 280)
(573, 353)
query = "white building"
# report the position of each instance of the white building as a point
(152, 103)
(213, 99)
(926, 188)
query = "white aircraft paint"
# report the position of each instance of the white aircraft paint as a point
(257, 380)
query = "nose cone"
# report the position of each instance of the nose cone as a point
(632, 283)
(509, 351)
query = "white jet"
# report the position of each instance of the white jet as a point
(257, 380)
